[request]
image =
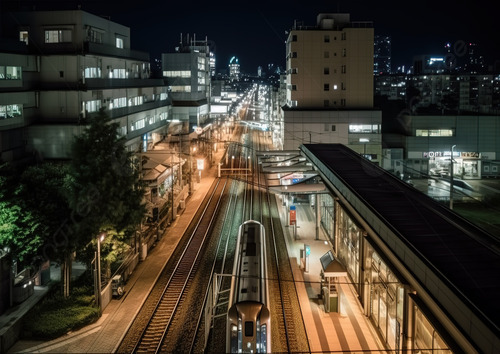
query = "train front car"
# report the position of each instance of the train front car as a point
(248, 318)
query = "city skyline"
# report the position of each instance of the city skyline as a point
(256, 32)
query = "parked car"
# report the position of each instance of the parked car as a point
(118, 286)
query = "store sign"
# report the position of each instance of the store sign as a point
(474, 155)
(465, 154)
(293, 215)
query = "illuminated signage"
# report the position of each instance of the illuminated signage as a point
(464, 154)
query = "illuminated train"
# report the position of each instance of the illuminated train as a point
(248, 318)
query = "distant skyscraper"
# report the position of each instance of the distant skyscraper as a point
(464, 58)
(212, 64)
(381, 54)
(234, 69)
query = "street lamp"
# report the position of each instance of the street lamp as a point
(364, 141)
(232, 163)
(248, 167)
(97, 277)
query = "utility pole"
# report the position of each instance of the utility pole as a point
(451, 177)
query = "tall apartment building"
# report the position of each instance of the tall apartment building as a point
(330, 64)
(329, 92)
(59, 67)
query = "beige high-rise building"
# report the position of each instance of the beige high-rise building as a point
(330, 64)
(329, 86)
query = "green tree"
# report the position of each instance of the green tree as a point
(44, 187)
(20, 228)
(105, 190)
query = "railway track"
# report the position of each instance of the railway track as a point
(175, 321)
(152, 337)
(289, 334)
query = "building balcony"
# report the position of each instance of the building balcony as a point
(124, 111)
(100, 49)
(188, 96)
(106, 83)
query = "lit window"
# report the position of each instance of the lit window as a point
(184, 88)
(119, 102)
(11, 111)
(10, 73)
(364, 128)
(434, 132)
(23, 36)
(92, 106)
(119, 42)
(58, 36)
(135, 101)
(92, 73)
(177, 73)
(138, 124)
(119, 74)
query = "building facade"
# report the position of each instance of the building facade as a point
(382, 54)
(473, 140)
(234, 69)
(71, 65)
(330, 64)
(188, 74)
(329, 85)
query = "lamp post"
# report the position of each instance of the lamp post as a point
(451, 177)
(100, 238)
(248, 168)
(364, 141)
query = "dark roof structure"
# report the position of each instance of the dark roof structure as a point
(465, 258)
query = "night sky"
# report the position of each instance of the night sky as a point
(254, 31)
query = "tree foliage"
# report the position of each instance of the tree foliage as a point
(21, 229)
(105, 192)
(44, 187)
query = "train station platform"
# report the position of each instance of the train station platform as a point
(346, 331)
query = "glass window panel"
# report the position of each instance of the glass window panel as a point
(383, 313)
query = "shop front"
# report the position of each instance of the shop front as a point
(386, 299)
(466, 165)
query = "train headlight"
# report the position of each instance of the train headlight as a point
(263, 338)
(234, 339)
